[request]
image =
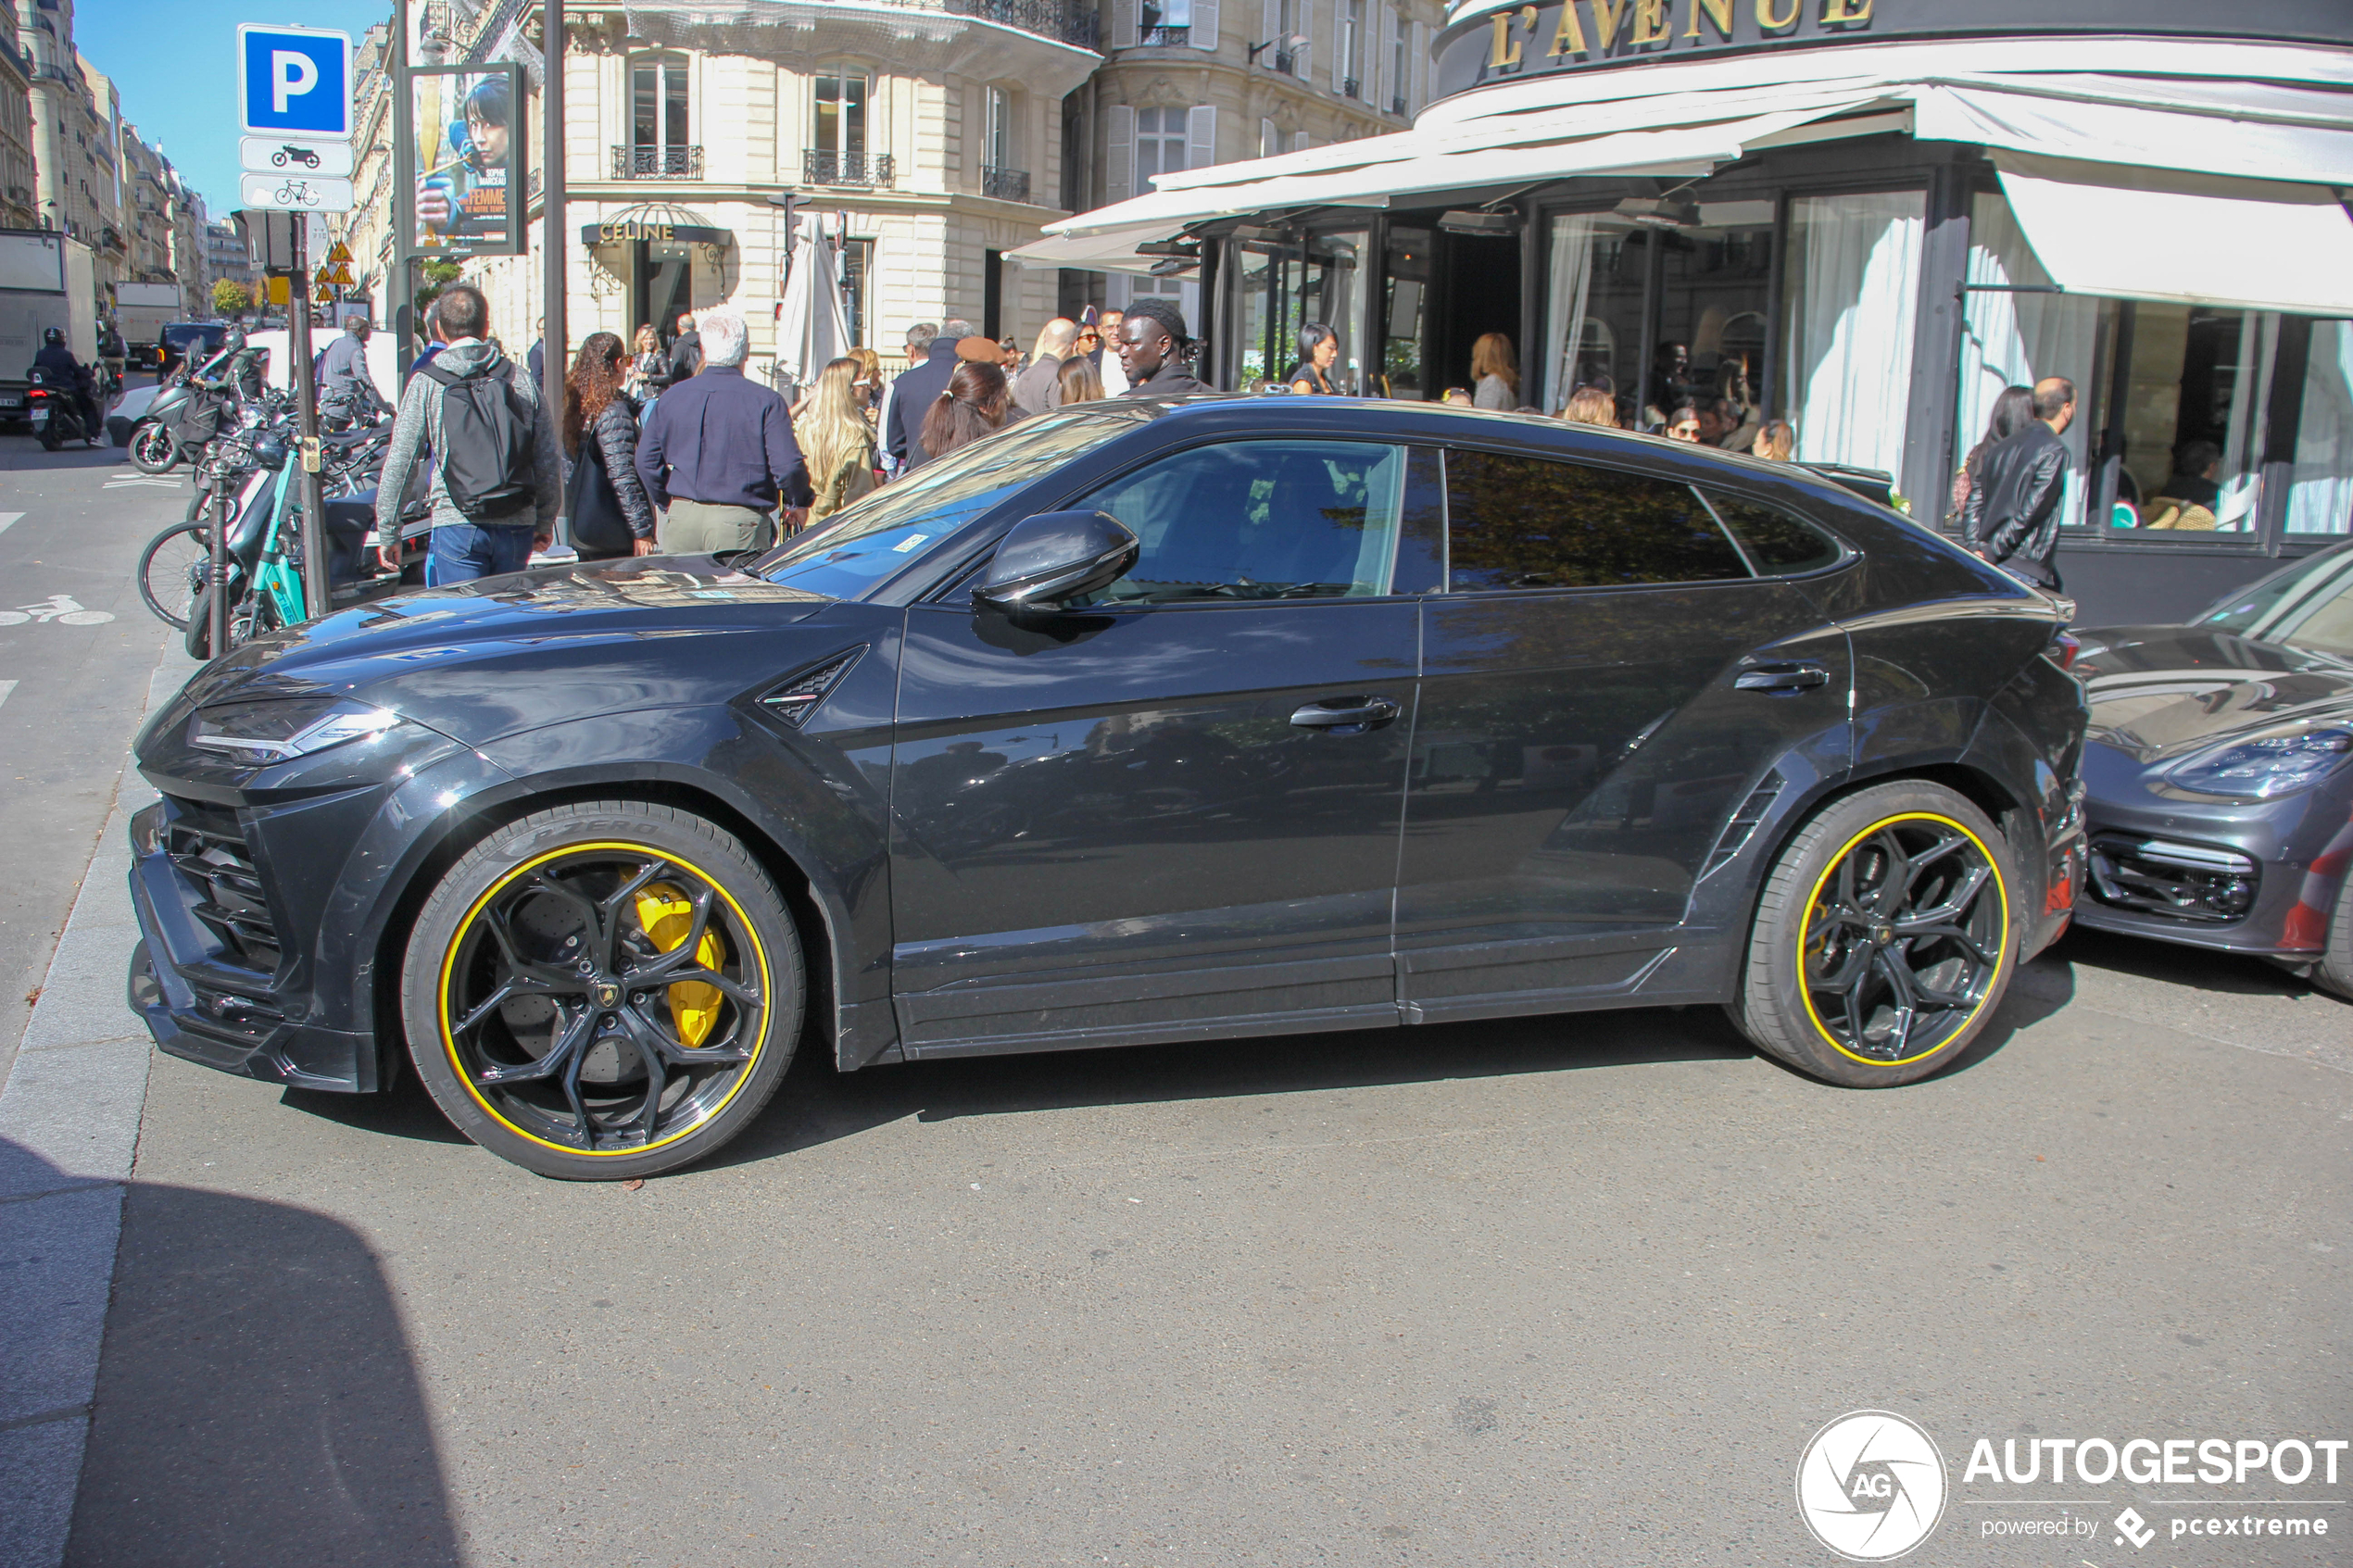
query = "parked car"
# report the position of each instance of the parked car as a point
(1133, 722)
(2219, 773)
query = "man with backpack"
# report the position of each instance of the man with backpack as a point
(497, 483)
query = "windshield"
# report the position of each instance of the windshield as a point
(2309, 606)
(864, 543)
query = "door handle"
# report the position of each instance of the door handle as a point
(1347, 715)
(1781, 680)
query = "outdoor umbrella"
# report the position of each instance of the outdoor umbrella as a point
(811, 327)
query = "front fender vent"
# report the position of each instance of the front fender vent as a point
(798, 696)
(1736, 837)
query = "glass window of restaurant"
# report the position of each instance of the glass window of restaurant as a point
(1277, 286)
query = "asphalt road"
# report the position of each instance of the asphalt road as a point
(1549, 1291)
(75, 522)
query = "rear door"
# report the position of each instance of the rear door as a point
(1608, 675)
(1175, 814)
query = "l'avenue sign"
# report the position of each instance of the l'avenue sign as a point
(1502, 43)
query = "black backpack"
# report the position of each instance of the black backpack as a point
(487, 456)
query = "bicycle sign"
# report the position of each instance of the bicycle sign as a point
(296, 192)
(63, 608)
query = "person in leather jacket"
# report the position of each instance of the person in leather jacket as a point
(2012, 515)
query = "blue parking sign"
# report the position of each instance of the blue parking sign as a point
(294, 79)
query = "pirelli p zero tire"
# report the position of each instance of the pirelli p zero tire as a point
(1883, 938)
(603, 990)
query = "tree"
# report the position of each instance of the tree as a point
(439, 275)
(230, 296)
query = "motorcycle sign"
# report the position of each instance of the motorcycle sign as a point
(294, 155)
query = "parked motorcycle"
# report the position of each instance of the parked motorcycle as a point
(54, 408)
(183, 418)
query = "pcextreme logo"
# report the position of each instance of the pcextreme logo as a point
(1870, 1485)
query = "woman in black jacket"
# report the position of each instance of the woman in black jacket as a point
(610, 514)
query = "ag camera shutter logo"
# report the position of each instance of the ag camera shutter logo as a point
(1871, 1485)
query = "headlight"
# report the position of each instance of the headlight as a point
(2267, 766)
(273, 730)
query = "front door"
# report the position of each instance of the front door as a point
(1608, 678)
(1173, 812)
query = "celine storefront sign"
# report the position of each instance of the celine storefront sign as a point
(1491, 46)
(625, 229)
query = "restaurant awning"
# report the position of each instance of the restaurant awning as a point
(2197, 239)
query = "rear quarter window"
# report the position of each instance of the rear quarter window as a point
(1535, 523)
(1779, 543)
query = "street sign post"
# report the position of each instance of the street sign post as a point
(295, 155)
(291, 193)
(294, 81)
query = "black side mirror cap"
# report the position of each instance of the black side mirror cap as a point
(1049, 559)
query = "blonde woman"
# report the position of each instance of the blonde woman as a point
(1494, 372)
(867, 386)
(1775, 440)
(836, 439)
(1591, 406)
(645, 364)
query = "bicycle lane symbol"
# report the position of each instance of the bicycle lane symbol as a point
(63, 608)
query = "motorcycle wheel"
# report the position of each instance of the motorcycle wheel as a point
(50, 439)
(151, 448)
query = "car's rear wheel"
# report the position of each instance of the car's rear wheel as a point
(1883, 939)
(603, 990)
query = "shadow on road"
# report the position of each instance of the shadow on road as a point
(257, 1402)
(817, 1106)
(2226, 974)
(405, 1111)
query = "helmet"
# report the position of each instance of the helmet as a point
(53, 337)
(233, 340)
(270, 452)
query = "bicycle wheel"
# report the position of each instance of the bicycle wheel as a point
(173, 569)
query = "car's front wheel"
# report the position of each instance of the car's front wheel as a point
(603, 990)
(1883, 939)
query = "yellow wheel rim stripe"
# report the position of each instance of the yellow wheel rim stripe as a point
(465, 924)
(1813, 900)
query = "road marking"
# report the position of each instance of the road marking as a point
(150, 482)
(6, 519)
(5, 688)
(63, 608)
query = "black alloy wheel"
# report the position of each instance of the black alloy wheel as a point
(171, 571)
(1883, 937)
(151, 450)
(603, 991)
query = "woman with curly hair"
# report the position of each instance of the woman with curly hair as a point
(608, 509)
(1590, 405)
(836, 439)
(978, 402)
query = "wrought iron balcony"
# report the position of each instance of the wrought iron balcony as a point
(657, 163)
(1397, 106)
(824, 167)
(1166, 37)
(1005, 184)
(1286, 62)
(1351, 88)
(1066, 21)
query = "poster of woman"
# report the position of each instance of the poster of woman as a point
(468, 160)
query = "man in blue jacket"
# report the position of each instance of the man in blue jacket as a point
(718, 451)
(916, 389)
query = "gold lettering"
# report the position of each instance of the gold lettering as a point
(1718, 11)
(1840, 13)
(1505, 53)
(1768, 21)
(1569, 37)
(1608, 17)
(1651, 23)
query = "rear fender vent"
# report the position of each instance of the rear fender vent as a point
(798, 696)
(1736, 833)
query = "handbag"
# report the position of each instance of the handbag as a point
(599, 525)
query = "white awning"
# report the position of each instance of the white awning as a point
(2249, 131)
(2197, 239)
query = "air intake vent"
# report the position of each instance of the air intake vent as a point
(795, 700)
(1736, 837)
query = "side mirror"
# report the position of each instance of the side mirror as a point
(1055, 557)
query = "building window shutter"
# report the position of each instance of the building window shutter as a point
(1119, 157)
(1270, 141)
(1204, 33)
(1270, 23)
(1201, 137)
(1308, 30)
(1123, 24)
(1299, 143)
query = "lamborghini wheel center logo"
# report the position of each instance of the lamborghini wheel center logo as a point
(1871, 1485)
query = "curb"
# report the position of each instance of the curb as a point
(69, 1132)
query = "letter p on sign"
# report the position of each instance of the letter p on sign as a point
(293, 81)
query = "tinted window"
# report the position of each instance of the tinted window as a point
(1775, 541)
(1258, 519)
(1531, 522)
(2309, 606)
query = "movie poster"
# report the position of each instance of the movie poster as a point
(469, 155)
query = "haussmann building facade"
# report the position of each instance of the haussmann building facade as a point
(1868, 217)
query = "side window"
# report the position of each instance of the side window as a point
(1259, 519)
(1773, 540)
(1531, 522)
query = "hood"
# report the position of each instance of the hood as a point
(483, 660)
(2160, 692)
(467, 359)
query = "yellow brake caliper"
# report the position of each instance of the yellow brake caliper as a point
(667, 916)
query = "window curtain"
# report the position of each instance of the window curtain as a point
(2320, 496)
(2250, 416)
(1567, 289)
(2016, 340)
(1856, 262)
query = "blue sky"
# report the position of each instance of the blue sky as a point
(175, 66)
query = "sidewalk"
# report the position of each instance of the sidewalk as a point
(69, 1127)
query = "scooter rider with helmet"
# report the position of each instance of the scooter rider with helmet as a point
(55, 356)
